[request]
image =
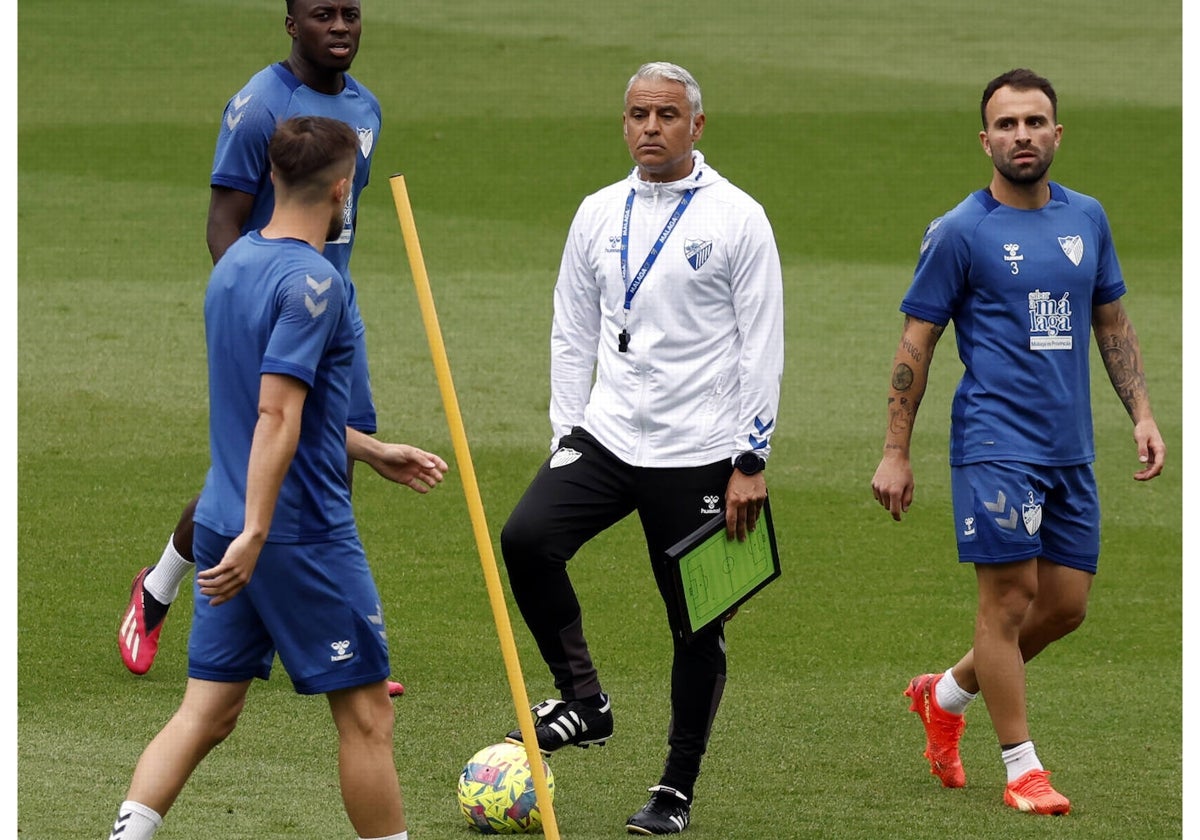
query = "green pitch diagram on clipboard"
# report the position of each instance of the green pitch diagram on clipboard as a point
(713, 574)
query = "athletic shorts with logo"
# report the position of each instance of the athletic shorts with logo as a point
(316, 605)
(1006, 511)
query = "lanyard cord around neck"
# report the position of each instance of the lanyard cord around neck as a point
(631, 288)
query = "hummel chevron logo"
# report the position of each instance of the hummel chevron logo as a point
(1009, 523)
(763, 428)
(232, 121)
(238, 102)
(316, 309)
(120, 825)
(376, 618)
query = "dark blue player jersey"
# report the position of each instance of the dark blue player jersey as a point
(1020, 286)
(277, 306)
(241, 163)
(271, 96)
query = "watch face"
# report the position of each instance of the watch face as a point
(749, 463)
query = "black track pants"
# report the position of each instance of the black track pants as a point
(579, 492)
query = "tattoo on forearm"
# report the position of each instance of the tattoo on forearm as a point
(912, 349)
(936, 329)
(903, 402)
(1123, 361)
(902, 413)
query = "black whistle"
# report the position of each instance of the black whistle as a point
(623, 342)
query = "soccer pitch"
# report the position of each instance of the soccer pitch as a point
(854, 125)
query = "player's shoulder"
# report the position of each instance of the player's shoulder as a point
(971, 210)
(1066, 195)
(1078, 201)
(307, 265)
(260, 101)
(271, 82)
(355, 84)
(957, 222)
(307, 282)
(285, 259)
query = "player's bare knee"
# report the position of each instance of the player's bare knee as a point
(362, 718)
(1068, 619)
(371, 729)
(210, 726)
(1007, 608)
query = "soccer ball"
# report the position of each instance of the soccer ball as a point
(495, 791)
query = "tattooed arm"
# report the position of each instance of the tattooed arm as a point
(893, 481)
(1122, 357)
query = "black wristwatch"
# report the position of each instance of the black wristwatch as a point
(750, 464)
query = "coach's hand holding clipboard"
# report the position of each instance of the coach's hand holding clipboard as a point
(713, 575)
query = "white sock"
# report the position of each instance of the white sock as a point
(949, 696)
(164, 579)
(403, 835)
(135, 822)
(1020, 760)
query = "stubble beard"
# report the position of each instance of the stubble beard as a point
(1023, 177)
(335, 228)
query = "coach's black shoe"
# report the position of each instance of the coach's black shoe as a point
(559, 723)
(667, 812)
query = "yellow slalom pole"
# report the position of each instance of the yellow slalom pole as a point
(487, 557)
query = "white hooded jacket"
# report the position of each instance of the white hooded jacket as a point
(700, 380)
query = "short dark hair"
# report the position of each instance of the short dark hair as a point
(303, 148)
(1019, 79)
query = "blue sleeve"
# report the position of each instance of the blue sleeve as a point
(940, 279)
(240, 161)
(308, 312)
(373, 103)
(1110, 282)
(378, 116)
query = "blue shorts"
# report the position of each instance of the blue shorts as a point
(315, 605)
(1008, 511)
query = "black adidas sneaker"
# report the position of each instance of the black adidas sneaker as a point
(559, 723)
(667, 812)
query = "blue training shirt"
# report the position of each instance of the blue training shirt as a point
(1020, 286)
(241, 163)
(278, 306)
(271, 96)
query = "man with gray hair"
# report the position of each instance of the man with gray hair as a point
(670, 297)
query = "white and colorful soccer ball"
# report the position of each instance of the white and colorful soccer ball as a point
(495, 791)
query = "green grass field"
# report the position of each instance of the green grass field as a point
(854, 124)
